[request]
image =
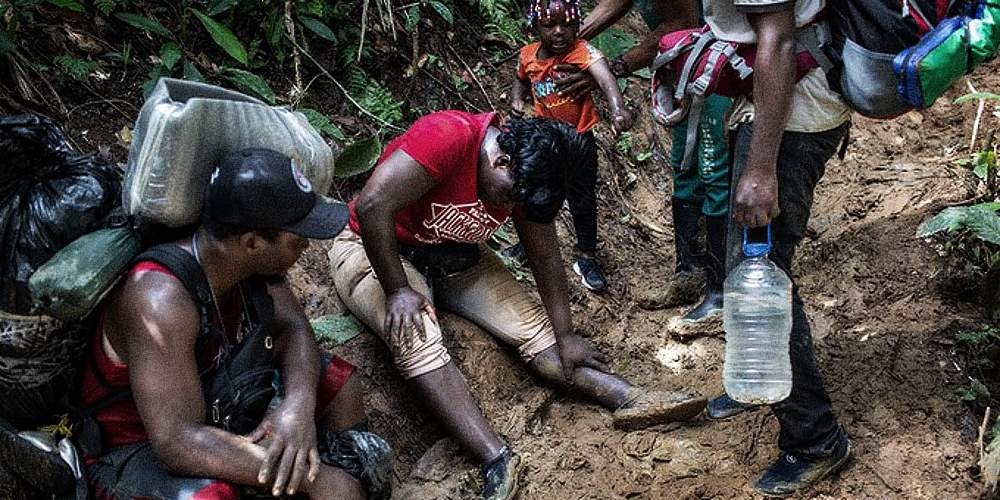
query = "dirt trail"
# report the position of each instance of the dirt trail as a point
(879, 305)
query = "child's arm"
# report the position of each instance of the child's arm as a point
(621, 119)
(519, 92)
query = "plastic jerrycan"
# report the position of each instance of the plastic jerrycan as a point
(757, 318)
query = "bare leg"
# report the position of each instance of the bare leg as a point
(347, 408)
(447, 396)
(610, 391)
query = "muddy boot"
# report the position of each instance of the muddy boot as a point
(500, 476)
(706, 317)
(645, 408)
(689, 275)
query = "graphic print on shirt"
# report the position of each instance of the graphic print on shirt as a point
(464, 223)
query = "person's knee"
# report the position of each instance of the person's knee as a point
(347, 408)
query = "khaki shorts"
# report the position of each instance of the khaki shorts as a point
(487, 294)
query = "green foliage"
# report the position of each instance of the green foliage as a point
(978, 338)
(336, 329)
(77, 69)
(982, 219)
(223, 37)
(144, 23)
(975, 96)
(249, 83)
(170, 53)
(976, 393)
(72, 5)
(504, 19)
(358, 158)
(613, 42)
(321, 30)
(381, 103)
(442, 11)
(321, 122)
(624, 143)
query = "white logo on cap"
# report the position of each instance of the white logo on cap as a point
(215, 175)
(300, 179)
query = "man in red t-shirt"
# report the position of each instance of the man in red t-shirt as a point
(439, 191)
(153, 364)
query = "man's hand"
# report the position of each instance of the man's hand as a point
(755, 199)
(574, 82)
(403, 318)
(622, 121)
(292, 454)
(575, 352)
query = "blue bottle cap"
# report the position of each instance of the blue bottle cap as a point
(756, 249)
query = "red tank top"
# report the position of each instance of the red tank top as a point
(120, 423)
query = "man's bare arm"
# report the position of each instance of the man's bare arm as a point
(158, 322)
(755, 197)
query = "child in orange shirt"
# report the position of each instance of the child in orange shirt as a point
(556, 22)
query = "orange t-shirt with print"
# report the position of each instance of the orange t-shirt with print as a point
(542, 75)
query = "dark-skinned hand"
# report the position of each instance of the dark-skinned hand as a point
(403, 320)
(575, 352)
(755, 199)
(289, 434)
(574, 82)
(622, 121)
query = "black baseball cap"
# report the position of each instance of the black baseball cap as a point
(264, 189)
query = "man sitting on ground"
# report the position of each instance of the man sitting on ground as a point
(439, 191)
(156, 364)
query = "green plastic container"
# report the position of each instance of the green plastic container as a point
(76, 278)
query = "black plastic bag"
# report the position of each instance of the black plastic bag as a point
(49, 196)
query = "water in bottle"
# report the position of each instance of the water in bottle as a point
(757, 317)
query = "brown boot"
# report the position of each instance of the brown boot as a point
(645, 408)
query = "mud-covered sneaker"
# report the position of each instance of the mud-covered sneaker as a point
(684, 288)
(500, 476)
(646, 408)
(590, 274)
(702, 319)
(792, 473)
(723, 406)
(515, 254)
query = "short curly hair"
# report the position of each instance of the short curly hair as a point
(541, 152)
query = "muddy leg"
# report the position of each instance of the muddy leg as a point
(610, 391)
(447, 396)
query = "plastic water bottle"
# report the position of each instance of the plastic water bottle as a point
(757, 317)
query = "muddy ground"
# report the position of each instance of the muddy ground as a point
(883, 304)
(882, 307)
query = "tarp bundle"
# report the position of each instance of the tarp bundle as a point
(49, 196)
(184, 128)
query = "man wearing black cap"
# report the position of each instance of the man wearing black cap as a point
(193, 343)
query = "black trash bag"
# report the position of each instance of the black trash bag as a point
(364, 455)
(49, 196)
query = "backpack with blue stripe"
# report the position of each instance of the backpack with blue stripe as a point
(887, 57)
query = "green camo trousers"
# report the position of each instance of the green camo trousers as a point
(707, 180)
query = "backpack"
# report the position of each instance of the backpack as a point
(885, 57)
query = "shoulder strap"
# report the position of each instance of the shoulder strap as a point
(186, 269)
